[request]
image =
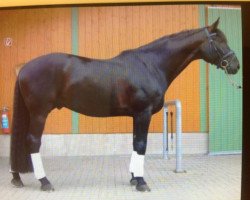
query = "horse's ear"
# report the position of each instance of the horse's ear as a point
(214, 26)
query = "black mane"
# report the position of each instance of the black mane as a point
(163, 40)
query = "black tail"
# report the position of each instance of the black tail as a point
(19, 154)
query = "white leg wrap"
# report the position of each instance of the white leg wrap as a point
(132, 162)
(37, 165)
(137, 164)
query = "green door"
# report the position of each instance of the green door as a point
(225, 101)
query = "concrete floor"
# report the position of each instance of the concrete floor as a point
(107, 177)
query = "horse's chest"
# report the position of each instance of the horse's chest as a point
(148, 98)
(157, 102)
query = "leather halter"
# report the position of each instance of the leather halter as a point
(223, 62)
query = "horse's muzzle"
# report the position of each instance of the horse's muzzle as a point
(233, 69)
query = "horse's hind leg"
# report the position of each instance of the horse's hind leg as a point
(37, 122)
(16, 181)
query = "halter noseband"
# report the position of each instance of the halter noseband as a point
(223, 62)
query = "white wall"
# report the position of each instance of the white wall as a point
(108, 144)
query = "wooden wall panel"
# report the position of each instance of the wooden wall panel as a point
(106, 31)
(6, 60)
(186, 86)
(103, 33)
(35, 32)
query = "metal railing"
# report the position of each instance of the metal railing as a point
(177, 105)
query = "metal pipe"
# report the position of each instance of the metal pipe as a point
(177, 105)
(171, 130)
(165, 133)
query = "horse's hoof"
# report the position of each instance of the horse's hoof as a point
(47, 187)
(17, 183)
(143, 188)
(133, 181)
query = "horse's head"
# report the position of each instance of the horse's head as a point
(215, 50)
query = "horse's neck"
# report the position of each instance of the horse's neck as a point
(185, 51)
(179, 52)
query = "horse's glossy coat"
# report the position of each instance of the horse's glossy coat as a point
(131, 84)
(99, 88)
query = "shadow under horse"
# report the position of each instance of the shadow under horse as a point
(131, 84)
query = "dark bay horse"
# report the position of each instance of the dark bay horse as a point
(131, 84)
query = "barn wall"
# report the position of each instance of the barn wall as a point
(34, 32)
(101, 32)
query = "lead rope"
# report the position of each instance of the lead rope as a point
(233, 83)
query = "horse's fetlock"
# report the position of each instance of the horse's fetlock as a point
(140, 147)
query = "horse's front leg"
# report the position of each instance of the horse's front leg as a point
(141, 123)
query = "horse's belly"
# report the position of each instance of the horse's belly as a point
(92, 101)
(90, 107)
(91, 113)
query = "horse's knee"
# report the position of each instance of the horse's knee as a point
(34, 143)
(140, 147)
